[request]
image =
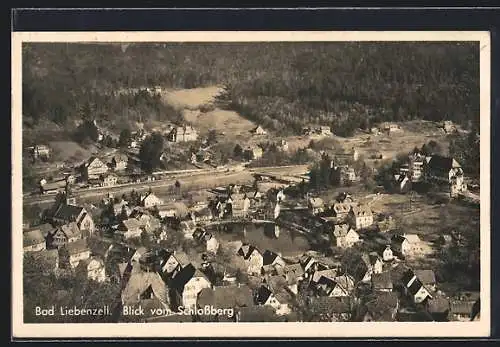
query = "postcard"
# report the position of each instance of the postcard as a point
(251, 184)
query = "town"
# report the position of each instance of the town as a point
(331, 239)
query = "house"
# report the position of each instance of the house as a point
(150, 200)
(316, 205)
(324, 130)
(259, 130)
(294, 273)
(341, 210)
(144, 289)
(202, 215)
(279, 299)
(339, 286)
(360, 216)
(370, 264)
(414, 168)
(381, 307)
(64, 234)
(253, 152)
(121, 207)
(391, 128)
(72, 253)
(100, 247)
(414, 288)
(92, 268)
(94, 168)
(119, 162)
(272, 259)
(174, 262)
(442, 169)
(187, 284)
(401, 183)
(33, 241)
(187, 227)
(228, 300)
(344, 174)
(129, 228)
(344, 236)
(408, 245)
(428, 279)
(239, 204)
(253, 258)
(108, 180)
(67, 213)
(173, 209)
(282, 145)
(47, 260)
(212, 245)
(387, 254)
(382, 282)
(331, 309)
(41, 151)
(185, 133)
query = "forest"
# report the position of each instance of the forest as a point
(283, 86)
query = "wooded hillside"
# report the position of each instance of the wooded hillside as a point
(283, 86)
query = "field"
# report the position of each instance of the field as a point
(190, 98)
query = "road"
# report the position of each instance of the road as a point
(201, 180)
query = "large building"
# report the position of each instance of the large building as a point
(184, 133)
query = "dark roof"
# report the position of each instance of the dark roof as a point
(226, 297)
(415, 286)
(77, 246)
(382, 280)
(68, 213)
(32, 237)
(99, 247)
(263, 294)
(269, 257)
(183, 276)
(246, 251)
(426, 276)
(382, 306)
(439, 162)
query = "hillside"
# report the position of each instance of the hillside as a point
(283, 86)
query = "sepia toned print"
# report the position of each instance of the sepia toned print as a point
(323, 182)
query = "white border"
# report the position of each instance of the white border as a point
(242, 330)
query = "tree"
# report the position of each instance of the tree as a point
(212, 137)
(177, 186)
(87, 131)
(124, 139)
(150, 152)
(238, 151)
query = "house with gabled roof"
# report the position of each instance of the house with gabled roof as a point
(344, 236)
(67, 213)
(380, 307)
(174, 262)
(145, 289)
(253, 258)
(370, 264)
(94, 168)
(275, 296)
(259, 130)
(186, 284)
(119, 162)
(270, 258)
(414, 288)
(72, 253)
(65, 234)
(341, 209)
(428, 279)
(316, 205)
(129, 228)
(150, 200)
(360, 216)
(92, 268)
(382, 282)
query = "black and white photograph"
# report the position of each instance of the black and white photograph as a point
(252, 180)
